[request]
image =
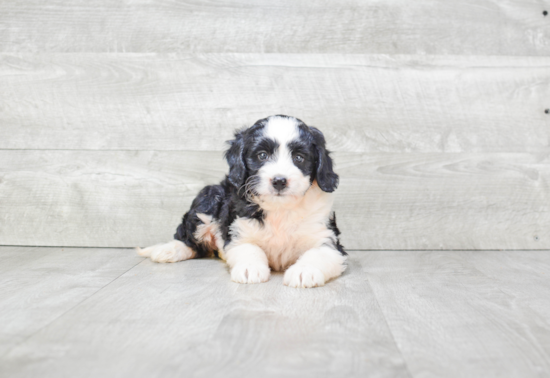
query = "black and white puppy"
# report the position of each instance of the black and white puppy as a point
(272, 211)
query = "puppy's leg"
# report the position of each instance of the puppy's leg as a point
(248, 264)
(315, 267)
(197, 235)
(173, 251)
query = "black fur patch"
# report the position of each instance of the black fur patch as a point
(332, 226)
(224, 204)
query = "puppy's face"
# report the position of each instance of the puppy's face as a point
(280, 161)
(277, 159)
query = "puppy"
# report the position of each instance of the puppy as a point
(272, 211)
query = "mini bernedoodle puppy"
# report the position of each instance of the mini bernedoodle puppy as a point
(272, 211)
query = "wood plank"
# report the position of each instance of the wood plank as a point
(466, 314)
(188, 319)
(487, 27)
(363, 103)
(41, 284)
(385, 201)
(444, 201)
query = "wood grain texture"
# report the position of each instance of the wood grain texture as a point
(363, 103)
(487, 27)
(392, 314)
(385, 201)
(188, 319)
(41, 284)
(466, 314)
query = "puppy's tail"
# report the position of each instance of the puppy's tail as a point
(173, 251)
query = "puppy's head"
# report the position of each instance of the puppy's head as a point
(278, 158)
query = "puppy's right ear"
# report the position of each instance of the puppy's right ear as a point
(325, 176)
(235, 158)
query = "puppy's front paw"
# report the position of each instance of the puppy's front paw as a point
(250, 273)
(303, 276)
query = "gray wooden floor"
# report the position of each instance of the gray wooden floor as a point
(92, 312)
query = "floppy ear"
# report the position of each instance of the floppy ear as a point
(326, 178)
(235, 159)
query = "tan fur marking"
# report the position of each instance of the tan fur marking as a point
(209, 234)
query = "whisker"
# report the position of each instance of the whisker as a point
(248, 187)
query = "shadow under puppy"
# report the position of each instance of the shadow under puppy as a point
(273, 209)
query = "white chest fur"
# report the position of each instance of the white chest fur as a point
(288, 230)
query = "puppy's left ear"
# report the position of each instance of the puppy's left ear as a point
(325, 176)
(235, 159)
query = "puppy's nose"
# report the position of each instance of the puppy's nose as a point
(279, 183)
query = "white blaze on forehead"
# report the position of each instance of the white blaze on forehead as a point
(281, 129)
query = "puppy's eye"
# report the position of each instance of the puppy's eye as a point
(262, 156)
(299, 158)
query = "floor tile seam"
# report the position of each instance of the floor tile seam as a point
(386, 322)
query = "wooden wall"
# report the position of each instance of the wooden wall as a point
(113, 114)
